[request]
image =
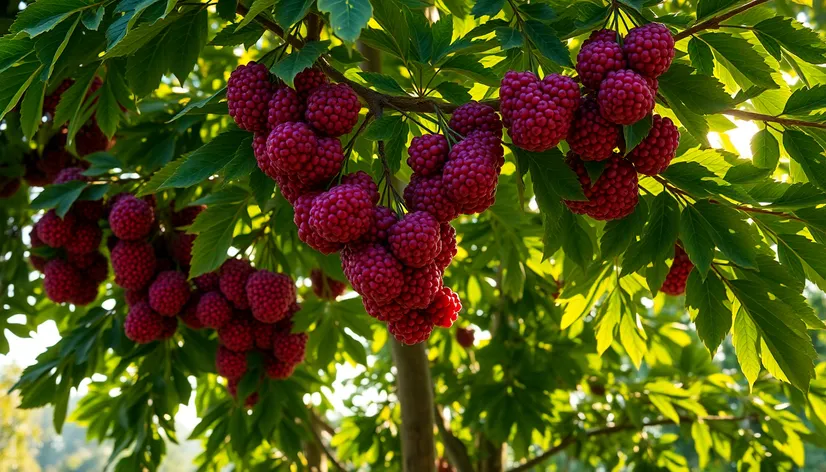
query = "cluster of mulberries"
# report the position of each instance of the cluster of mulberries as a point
(677, 277)
(252, 311)
(296, 130)
(73, 267)
(621, 78)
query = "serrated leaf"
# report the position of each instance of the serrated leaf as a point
(636, 133)
(701, 56)
(631, 338)
(187, 38)
(471, 67)
(59, 196)
(728, 231)
(745, 173)
(347, 17)
(809, 252)
(257, 7)
(706, 8)
(618, 234)
(243, 163)
(658, 237)
(575, 241)
(194, 104)
(796, 38)
(13, 50)
(383, 83)
(804, 150)
(215, 227)
(120, 44)
(698, 93)
(43, 15)
(765, 149)
(804, 100)
(487, 8)
(290, 12)
(392, 19)
(739, 53)
(232, 36)
(49, 47)
(108, 112)
(14, 82)
(509, 38)
(549, 171)
(207, 160)
(783, 332)
(712, 318)
(31, 110)
(297, 61)
(454, 93)
(696, 240)
(546, 41)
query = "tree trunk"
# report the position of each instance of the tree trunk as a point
(491, 456)
(415, 393)
(316, 460)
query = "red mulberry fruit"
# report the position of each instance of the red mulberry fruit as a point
(306, 232)
(654, 153)
(248, 95)
(592, 136)
(614, 195)
(230, 364)
(284, 107)
(474, 116)
(142, 325)
(61, 281)
(291, 147)
(596, 59)
(169, 293)
(374, 273)
(342, 214)
(413, 328)
(289, 348)
(625, 97)
(677, 276)
(56, 231)
(415, 240)
(420, 287)
(428, 153)
(445, 308)
(213, 310)
(236, 335)
(131, 218)
(649, 49)
(333, 109)
(270, 295)
(233, 280)
(133, 263)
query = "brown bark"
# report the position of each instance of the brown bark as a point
(415, 394)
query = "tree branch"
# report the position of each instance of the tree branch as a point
(748, 115)
(454, 447)
(714, 22)
(415, 393)
(327, 451)
(571, 439)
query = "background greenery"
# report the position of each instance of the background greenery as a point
(608, 374)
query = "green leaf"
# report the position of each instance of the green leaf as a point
(575, 241)
(658, 237)
(392, 19)
(194, 104)
(121, 44)
(384, 128)
(225, 8)
(15, 81)
(804, 150)
(186, 39)
(233, 36)
(297, 61)
(713, 318)
(631, 337)
(636, 133)
(13, 50)
(347, 17)
(782, 330)
(509, 38)
(805, 100)
(383, 83)
(696, 240)
(664, 405)
(290, 12)
(729, 232)
(739, 54)
(552, 175)
(765, 149)
(487, 8)
(59, 196)
(796, 38)
(706, 8)
(31, 111)
(43, 15)
(546, 41)
(108, 112)
(809, 252)
(696, 92)
(207, 160)
(257, 7)
(454, 93)
(49, 47)
(746, 173)
(101, 163)
(701, 56)
(470, 66)
(243, 163)
(146, 67)
(262, 187)
(618, 234)
(215, 227)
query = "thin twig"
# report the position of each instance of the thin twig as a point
(714, 22)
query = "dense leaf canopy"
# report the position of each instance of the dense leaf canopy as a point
(578, 358)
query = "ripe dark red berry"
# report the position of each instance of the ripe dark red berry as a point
(55, 231)
(342, 214)
(469, 179)
(61, 281)
(70, 174)
(142, 325)
(289, 348)
(325, 164)
(415, 240)
(677, 276)
(445, 308)
(306, 232)
(133, 263)
(591, 136)
(207, 282)
(447, 236)
(131, 218)
(185, 216)
(465, 337)
(284, 107)
(291, 147)
(248, 95)
(333, 109)
(276, 369)
(307, 81)
(270, 295)
(373, 272)
(596, 59)
(189, 315)
(230, 364)
(213, 310)
(365, 181)
(624, 97)
(615, 193)
(428, 153)
(233, 281)
(169, 293)
(236, 334)
(263, 334)
(601, 35)
(383, 219)
(474, 116)
(86, 239)
(388, 312)
(654, 153)
(649, 49)
(420, 287)
(412, 328)
(428, 194)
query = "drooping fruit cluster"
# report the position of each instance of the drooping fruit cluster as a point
(677, 276)
(621, 81)
(296, 130)
(326, 287)
(252, 311)
(74, 267)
